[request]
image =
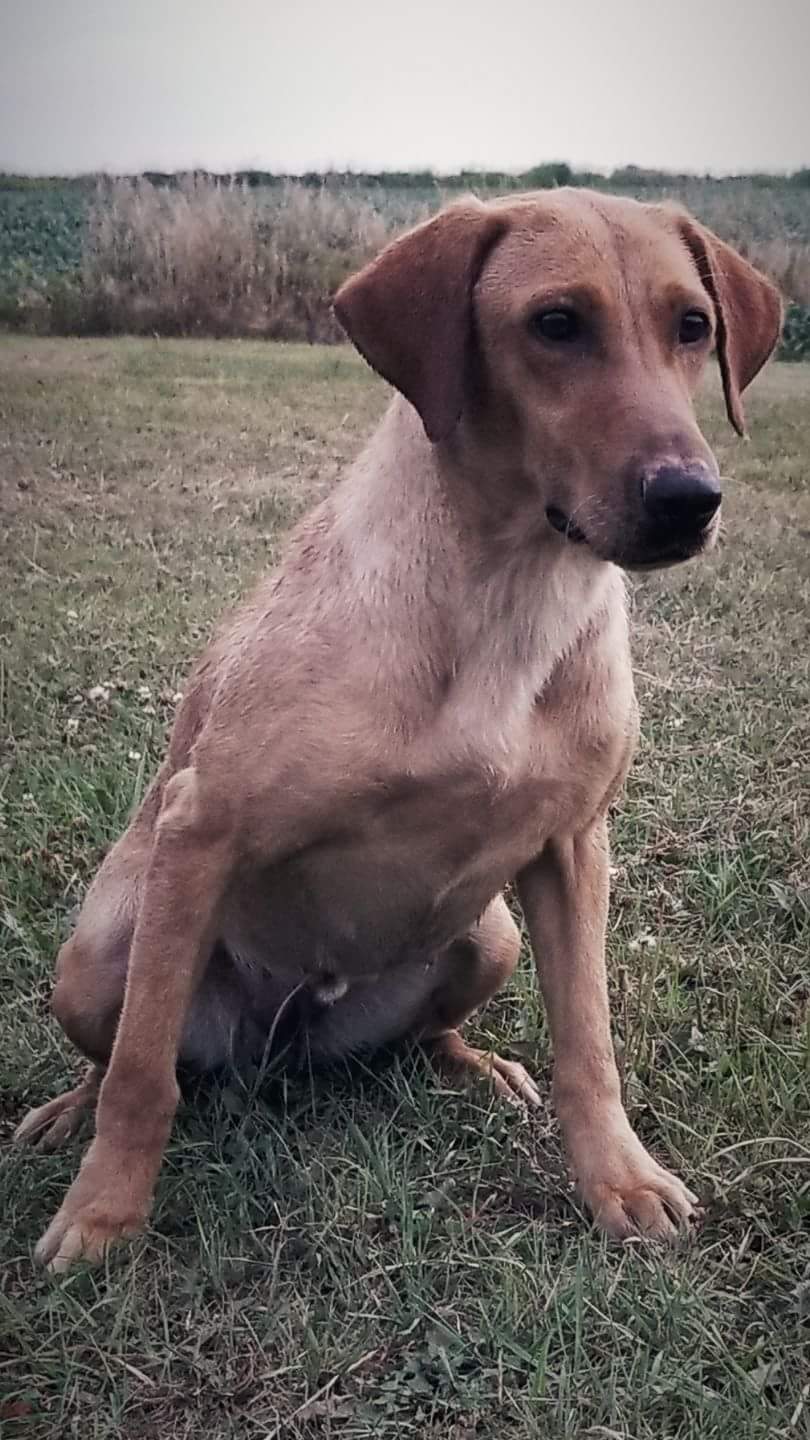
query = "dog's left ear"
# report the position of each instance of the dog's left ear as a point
(748, 310)
(410, 311)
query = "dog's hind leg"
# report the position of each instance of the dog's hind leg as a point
(473, 969)
(90, 977)
(188, 869)
(91, 974)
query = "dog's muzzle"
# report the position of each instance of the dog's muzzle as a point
(675, 513)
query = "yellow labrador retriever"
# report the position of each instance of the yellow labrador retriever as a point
(431, 697)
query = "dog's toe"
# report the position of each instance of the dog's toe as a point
(515, 1082)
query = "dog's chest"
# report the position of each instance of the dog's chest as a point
(496, 716)
(520, 748)
(506, 768)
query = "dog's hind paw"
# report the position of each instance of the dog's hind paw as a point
(50, 1125)
(510, 1080)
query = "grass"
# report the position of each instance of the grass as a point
(368, 1254)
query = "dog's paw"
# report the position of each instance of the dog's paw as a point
(83, 1236)
(658, 1207)
(104, 1204)
(49, 1126)
(452, 1056)
(510, 1080)
(629, 1194)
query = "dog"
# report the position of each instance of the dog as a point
(430, 699)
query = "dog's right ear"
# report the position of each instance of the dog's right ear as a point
(748, 309)
(410, 311)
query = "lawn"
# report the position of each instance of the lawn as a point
(372, 1254)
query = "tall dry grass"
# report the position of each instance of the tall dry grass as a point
(778, 243)
(217, 258)
(787, 262)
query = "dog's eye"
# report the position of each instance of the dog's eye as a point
(556, 325)
(695, 326)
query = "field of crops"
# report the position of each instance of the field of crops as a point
(88, 256)
(42, 230)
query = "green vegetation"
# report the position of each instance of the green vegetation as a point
(42, 233)
(796, 333)
(43, 228)
(261, 254)
(371, 1254)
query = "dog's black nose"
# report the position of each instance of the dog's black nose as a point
(683, 497)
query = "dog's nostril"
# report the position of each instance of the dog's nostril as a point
(681, 495)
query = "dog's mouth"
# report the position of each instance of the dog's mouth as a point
(565, 526)
(663, 558)
(660, 560)
(643, 555)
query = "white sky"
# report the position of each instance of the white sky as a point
(293, 84)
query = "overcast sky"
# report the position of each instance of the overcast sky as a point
(124, 85)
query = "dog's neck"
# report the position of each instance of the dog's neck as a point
(483, 580)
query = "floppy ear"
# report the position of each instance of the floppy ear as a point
(748, 309)
(410, 311)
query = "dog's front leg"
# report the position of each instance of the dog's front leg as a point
(564, 894)
(188, 870)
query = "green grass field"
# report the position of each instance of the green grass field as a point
(372, 1254)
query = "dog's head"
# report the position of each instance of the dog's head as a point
(555, 342)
